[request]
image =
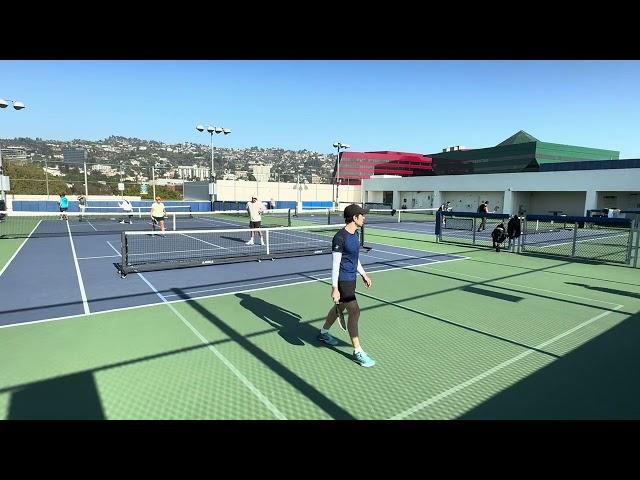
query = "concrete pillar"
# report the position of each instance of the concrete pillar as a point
(437, 199)
(397, 201)
(591, 201)
(507, 203)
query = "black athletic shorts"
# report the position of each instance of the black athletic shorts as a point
(255, 224)
(157, 219)
(64, 209)
(347, 291)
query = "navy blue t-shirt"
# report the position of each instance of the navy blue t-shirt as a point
(349, 245)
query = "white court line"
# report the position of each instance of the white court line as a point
(491, 371)
(19, 248)
(91, 225)
(85, 304)
(413, 256)
(502, 283)
(234, 286)
(217, 220)
(524, 286)
(114, 248)
(406, 262)
(102, 256)
(272, 408)
(533, 245)
(204, 241)
(280, 280)
(407, 229)
(122, 309)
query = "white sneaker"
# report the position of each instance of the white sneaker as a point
(261, 241)
(121, 221)
(250, 242)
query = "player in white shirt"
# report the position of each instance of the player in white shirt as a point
(255, 209)
(127, 208)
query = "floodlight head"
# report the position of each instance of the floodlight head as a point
(210, 129)
(226, 131)
(3, 103)
(200, 128)
(218, 130)
(345, 146)
(18, 105)
(335, 144)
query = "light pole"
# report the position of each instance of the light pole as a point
(46, 175)
(4, 179)
(299, 187)
(212, 130)
(212, 174)
(339, 146)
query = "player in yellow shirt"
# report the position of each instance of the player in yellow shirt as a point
(158, 212)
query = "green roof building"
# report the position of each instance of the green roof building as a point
(520, 152)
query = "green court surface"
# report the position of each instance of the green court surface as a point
(493, 336)
(8, 247)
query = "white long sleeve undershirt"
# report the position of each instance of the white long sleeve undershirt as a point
(335, 268)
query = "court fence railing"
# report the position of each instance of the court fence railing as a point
(597, 239)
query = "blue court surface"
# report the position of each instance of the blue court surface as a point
(56, 277)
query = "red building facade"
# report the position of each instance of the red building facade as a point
(354, 166)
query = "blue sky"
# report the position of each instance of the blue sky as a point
(414, 106)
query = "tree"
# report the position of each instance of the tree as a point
(166, 193)
(31, 180)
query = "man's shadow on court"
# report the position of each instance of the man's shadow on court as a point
(287, 323)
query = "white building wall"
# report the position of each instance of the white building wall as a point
(415, 199)
(463, 190)
(567, 203)
(243, 190)
(621, 200)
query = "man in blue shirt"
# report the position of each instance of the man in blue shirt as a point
(64, 206)
(345, 252)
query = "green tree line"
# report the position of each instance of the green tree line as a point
(28, 179)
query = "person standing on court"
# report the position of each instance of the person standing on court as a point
(255, 209)
(158, 212)
(483, 208)
(64, 206)
(127, 209)
(513, 230)
(346, 264)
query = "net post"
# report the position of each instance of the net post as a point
(575, 236)
(123, 250)
(474, 231)
(328, 217)
(267, 232)
(630, 245)
(636, 232)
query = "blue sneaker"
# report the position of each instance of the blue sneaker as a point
(327, 338)
(363, 359)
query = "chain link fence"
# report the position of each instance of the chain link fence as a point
(589, 238)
